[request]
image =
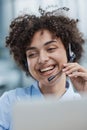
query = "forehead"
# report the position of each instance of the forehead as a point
(42, 36)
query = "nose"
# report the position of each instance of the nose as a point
(43, 57)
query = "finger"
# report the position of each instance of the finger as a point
(82, 69)
(79, 74)
(70, 69)
(70, 66)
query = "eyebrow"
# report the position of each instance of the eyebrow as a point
(45, 44)
(49, 42)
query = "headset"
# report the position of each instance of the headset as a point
(25, 64)
(72, 55)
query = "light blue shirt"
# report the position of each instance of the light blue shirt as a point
(9, 98)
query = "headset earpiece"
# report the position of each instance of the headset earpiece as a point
(25, 64)
(72, 55)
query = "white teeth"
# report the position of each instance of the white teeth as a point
(46, 69)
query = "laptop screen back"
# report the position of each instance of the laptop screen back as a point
(50, 115)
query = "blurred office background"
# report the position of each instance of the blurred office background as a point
(10, 75)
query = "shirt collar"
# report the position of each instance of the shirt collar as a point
(36, 93)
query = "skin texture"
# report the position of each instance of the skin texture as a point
(46, 56)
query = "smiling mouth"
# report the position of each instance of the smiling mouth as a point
(47, 69)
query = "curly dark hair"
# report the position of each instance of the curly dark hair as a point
(23, 28)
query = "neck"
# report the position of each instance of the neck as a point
(56, 88)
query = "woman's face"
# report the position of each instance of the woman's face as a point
(45, 56)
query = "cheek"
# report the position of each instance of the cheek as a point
(64, 57)
(61, 57)
(31, 65)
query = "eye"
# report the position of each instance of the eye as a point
(51, 49)
(32, 55)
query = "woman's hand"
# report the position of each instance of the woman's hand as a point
(78, 76)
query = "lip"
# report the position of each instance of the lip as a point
(49, 72)
(47, 68)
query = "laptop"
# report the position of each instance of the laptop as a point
(50, 115)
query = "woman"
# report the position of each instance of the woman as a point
(47, 47)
